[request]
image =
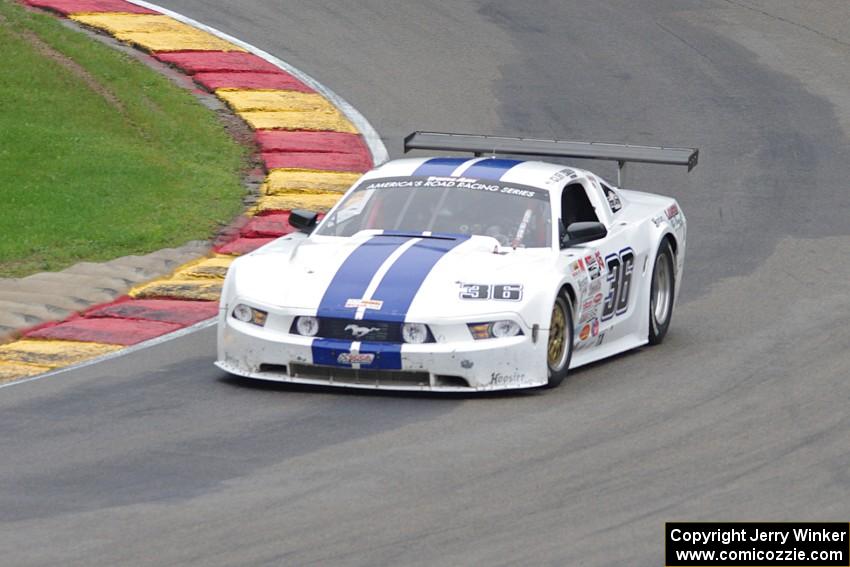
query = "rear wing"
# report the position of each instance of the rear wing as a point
(621, 153)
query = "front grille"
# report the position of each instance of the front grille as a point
(361, 377)
(351, 330)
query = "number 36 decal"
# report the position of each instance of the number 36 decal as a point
(620, 268)
(507, 292)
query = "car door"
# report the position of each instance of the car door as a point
(605, 268)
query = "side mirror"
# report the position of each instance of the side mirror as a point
(302, 220)
(580, 232)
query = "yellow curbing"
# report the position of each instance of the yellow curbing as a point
(271, 100)
(10, 371)
(207, 289)
(205, 268)
(160, 42)
(298, 120)
(155, 32)
(50, 353)
(318, 202)
(116, 23)
(307, 180)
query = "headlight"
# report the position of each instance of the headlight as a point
(504, 329)
(248, 314)
(307, 326)
(414, 333)
(494, 330)
(243, 313)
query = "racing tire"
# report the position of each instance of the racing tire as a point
(559, 349)
(662, 292)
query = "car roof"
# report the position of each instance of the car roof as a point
(538, 174)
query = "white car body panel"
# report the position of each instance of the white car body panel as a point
(299, 276)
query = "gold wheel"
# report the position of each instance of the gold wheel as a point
(558, 336)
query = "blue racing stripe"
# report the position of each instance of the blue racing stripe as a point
(387, 355)
(402, 281)
(439, 166)
(353, 276)
(326, 352)
(492, 169)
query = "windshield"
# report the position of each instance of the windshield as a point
(515, 215)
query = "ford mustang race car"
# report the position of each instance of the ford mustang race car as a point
(461, 274)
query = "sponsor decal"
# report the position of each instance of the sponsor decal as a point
(587, 304)
(595, 286)
(559, 176)
(589, 315)
(498, 378)
(359, 332)
(502, 292)
(355, 358)
(658, 220)
(584, 333)
(597, 299)
(592, 264)
(600, 339)
(674, 215)
(577, 267)
(672, 211)
(594, 327)
(364, 303)
(582, 286)
(613, 199)
(338, 352)
(478, 180)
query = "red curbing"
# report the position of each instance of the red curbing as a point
(242, 245)
(123, 332)
(250, 80)
(320, 161)
(66, 7)
(301, 141)
(181, 312)
(271, 225)
(192, 62)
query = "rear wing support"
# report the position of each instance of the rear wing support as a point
(621, 153)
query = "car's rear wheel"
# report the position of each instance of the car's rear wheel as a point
(559, 350)
(661, 294)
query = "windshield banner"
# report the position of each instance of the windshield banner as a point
(467, 183)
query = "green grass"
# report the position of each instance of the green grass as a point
(84, 178)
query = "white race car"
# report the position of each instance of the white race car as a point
(458, 274)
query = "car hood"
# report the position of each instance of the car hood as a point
(390, 277)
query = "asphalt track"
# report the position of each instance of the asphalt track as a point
(742, 414)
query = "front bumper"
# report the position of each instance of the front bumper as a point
(453, 365)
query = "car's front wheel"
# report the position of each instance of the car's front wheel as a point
(560, 347)
(661, 294)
